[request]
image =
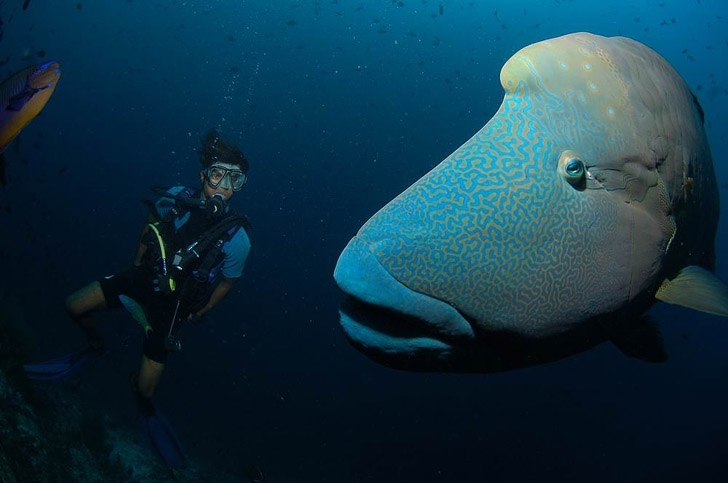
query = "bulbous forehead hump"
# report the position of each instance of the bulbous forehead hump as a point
(609, 87)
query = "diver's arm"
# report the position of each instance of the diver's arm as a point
(142, 248)
(218, 294)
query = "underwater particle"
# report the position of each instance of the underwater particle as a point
(26, 3)
(291, 22)
(79, 6)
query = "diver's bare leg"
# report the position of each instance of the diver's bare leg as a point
(80, 306)
(149, 377)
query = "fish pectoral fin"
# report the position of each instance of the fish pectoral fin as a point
(19, 100)
(696, 288)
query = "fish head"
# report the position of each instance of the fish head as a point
(560, 210)
(24, 95)
(45, 76)
(41, 82)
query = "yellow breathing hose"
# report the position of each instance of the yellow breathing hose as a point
(170, 280)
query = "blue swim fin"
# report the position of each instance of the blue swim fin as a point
(162, 437)
(60, 367)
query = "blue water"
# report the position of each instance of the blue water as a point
(339, 106)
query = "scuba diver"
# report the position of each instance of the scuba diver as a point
(192, 250)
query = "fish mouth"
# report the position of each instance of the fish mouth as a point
(45, 75)
(383, 317)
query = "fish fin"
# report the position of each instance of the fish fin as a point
(17, 102)
(640, 338)
(696, 288)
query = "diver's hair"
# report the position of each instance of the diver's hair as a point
(216, 150)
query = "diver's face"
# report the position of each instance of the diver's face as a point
(221, 179)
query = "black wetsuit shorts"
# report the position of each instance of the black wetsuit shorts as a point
(138, 283)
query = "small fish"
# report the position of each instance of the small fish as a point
(136, 311)
(26, 3)
(23, 96)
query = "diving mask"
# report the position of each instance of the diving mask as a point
(226, 178)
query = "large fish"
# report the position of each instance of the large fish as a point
(589, 195)
(23, 96)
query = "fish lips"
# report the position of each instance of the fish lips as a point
(382, 316)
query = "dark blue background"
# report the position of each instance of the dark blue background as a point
(339, 106)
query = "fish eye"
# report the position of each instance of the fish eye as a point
(574, 169)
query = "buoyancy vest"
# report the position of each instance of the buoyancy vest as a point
(186, 259)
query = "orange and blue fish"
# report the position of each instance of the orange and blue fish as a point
(23, 95)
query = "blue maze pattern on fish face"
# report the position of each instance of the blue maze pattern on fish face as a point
(497, 232)
(481, 227)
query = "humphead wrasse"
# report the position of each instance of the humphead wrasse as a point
(588, 196)
(23, 96)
